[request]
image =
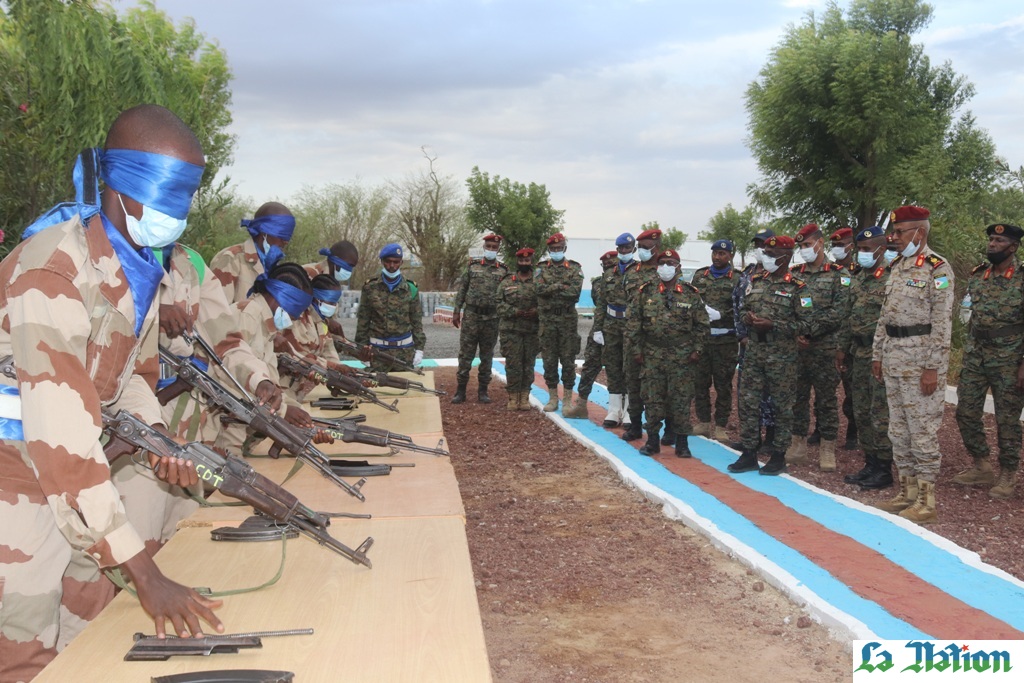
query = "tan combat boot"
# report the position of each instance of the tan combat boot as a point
(721, 435)
(524, 400)
(702, 429)
(1003, 489)
(827, 456)
(981, 474)
(513, 400)
(552, 404)
(797, 452)
(904, 499)
(577, 410)
(923, 510)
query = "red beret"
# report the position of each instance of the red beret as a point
(669, 253)
(610, 254)
(909, 213)
(782, 241)
(525, 251)
(842, 234)
(557, 237)
(649, 235)
(493, 237)
(806, 231)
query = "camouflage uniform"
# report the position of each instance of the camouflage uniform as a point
(68, 318)
(558, 289)
(636, 276)
(666, 325)
(237, 267)
(913, 335)
(992, 353)
(612, 324)
(592, 355)
(390, 320)
(519, 339)
(826, 303)
(767, 408)
(477, 291)
(717, 364)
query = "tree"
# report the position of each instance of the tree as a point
(522, 214)
(214, 220)
(849, 119)
(428, 213)
(730, 224)
(67, 69)
(673, 238)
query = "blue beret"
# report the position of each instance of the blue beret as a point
(391, 250)
(868, 233)
(625, 240)
(763, 235)
(724, 245)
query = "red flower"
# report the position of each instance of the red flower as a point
(23, 107)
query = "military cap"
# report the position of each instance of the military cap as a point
(868, 233)
(805, 232)
(905, 214)
(1006, 230)
(493, 237)
(557, 237)
(625, 240)
(724, 245)
(526, 251)
(762, 235)
(610, 255)
(649, 235)
(668, 253)
(782, 241)
(841, 234)
(394, 249)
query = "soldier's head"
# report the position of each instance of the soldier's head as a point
(842, 244)
(890, 248)
(288, 292)
(556, 247)
(648, 243)
(910, 226)
(721, 253)
(778, 252)
(326, 295)
(609, 259)
(1003, 242)
(492, 242)
(391, 257)
(524, 260)
(668, 265)
(871, 246)
(758, 241)
(811, 242)
(625, 245)
(275, 224)
(342, 258)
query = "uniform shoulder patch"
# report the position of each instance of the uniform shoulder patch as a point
(413, 289)
(980, 268)
(692, 288)
(798, 282)
(934, 260)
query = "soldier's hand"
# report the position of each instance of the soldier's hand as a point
(457, 319)
(322, 436)
(803, 342)
(840, 362)
(1019, 386)
(334, 327)
(694, 357)
(174, 471)
(281, 344)
(165, 600)
(876, 370)
(268, 394)
(929, 381)
(743, 341)
(174, 320)
(298, 417)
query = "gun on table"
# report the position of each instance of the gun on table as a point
(155, 649)
(368, 353)
(383, 379)
(337, 382)
(233, 477)
(228, 676)
(259, 418)
(352, 432)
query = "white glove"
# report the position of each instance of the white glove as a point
(417, 360)
(713, 313)
(599, 337)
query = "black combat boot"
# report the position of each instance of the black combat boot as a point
(864, 473)
(747, 462)
(880, 478)
(776, 463)
(768, 442)
(653, 445)
(669, 437)
(683, 447)
(815, 438)
(634, 431)
(851, 437)
(460, 393)
(481, 395)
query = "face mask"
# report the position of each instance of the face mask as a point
(524, 269)
(271, 254)
(626, 258)
(557, 256)
(490, 255)
(154, 229)
(644, 254)
(910, 249)
(866, 259)
(889, 256)
(282, 321)
(666, 272)
(327, 310)
(808, 254)
(758, 253)
(997, 257)
(838, 253)
(342, 275)
(391, 276)
(769, 263)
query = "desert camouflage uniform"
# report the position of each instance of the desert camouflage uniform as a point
(667, 324)
(477, 292)
(919, 296)
(519, 335)
(992, 353)
(558, 289)
(594, 352)
(68, 318)
(237, 267)
(770, 358)
(394, 318)
(323, 268)
(855, 339)
(636, 276)
(613, 325)
(826, 303)
(717, 365)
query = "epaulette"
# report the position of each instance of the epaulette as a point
(899, 258)
(575, 263)
(706, 270)
(980, 268)
(855, 268)
(644, 286)
(798, 282)
(502, 265)
(690, 285)
(934, 260)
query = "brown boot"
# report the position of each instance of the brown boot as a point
(923, 509)
(827, 456)
(578, 408)
(513, 400)
(524, 400)
(797, 452)
(552, 404)
(904, 499)
(721, 435)
(981, 474)
(1003, 490)
(702, 429)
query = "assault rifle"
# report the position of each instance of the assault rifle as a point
(336, 382)
(259, 418)
(155, 649)
(383, 379)
(368, 353)
(349, 431)
(228, 676)
(233, 477)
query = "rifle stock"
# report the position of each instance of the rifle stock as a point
(335, 381)
(383, 379)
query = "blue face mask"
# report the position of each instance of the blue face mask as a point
(490, 255)
(282, 321)
(625, 258)
(154, 229)
(644, 254)
(557, 256)
(327, 310)
(866, 259)
(342, 275)
(391, 276)
(889, 255)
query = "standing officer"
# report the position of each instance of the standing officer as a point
(612, 329)
(668, 330)
(238, 266)
(992, 360)
(911, 353)
(593, 355)
(853, 359)
(389, 315)
(648, 244)
(478, 292)
(717, 364)
(559, 282)
(844, 254)
(517, 313)
(825, 302)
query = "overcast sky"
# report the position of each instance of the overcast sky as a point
(627, 110)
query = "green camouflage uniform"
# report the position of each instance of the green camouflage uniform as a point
(992, 353)
(593, 354)
(518, 324)
(636, 276)
(826, 303)
(770, 357)
(390, 320)
(667, 324)
(477, 292)
(558, 289)
(855, 338)
(717, 364)
(613, 325)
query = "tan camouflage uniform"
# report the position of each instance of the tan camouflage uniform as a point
(237, 268)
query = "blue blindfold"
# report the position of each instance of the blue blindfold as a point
(331, 296)
(154, 180)
(292, 299)
(331, 258)
(281, 226)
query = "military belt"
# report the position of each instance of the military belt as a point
(864, 339)
(723, 332)
(615, 311)
(481, 310)
(909, 330)
(404, 341)
(998, 332)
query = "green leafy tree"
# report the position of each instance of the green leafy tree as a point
(521, 213)
(673, 238)
(214, 220)
(68, 68)
(730, 224)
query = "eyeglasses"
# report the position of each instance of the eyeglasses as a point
(903, 231)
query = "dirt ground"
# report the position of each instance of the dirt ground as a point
(580, 578)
